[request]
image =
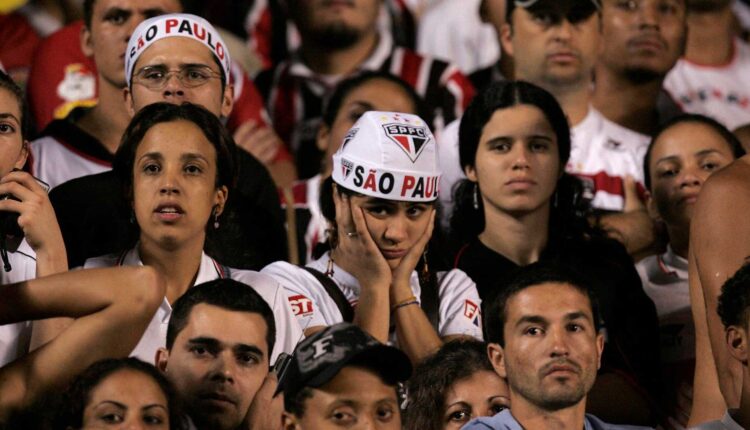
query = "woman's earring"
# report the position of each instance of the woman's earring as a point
(476, 196)
(216, 219)
(132, 216)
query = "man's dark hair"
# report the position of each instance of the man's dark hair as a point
(226, 294)
(691, 118)
(495, 311)
(734, 300)
(7, 83)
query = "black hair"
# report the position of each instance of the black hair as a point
(734, 300)
(345, 87)
(538, 273)
(691, 118)
(88, 10)
(7, 83)
(78, 394)
(163, 112)
(432, 379)
(569, 209)
(226, 294)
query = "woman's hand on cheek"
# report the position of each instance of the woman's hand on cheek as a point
(402, 273)
(357, 252)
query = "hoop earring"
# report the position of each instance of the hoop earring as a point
(476, 196)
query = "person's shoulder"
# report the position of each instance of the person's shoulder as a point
(502, 421)
(594, 423)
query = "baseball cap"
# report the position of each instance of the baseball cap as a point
(175, 25)
(320, 357)
(389, 155)
(573, 10)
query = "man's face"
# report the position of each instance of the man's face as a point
(112, 23)
(217, 364)
(342, 403)
(552, 351)
(552, 52)
(336, 24)
(175, 53)
(643, 39)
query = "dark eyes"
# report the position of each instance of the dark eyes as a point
(117, 17)
(460, 416)
(7, 128)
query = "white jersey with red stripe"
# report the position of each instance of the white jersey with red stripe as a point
(602, 154)
(459, 310)
(66, 152)
(311, 224)
(16, 338)
(288, 331)
(721, 92)
(665, 280)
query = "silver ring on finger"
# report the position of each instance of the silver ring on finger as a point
(352, 234)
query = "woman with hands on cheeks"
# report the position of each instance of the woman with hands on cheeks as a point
(380, 202)
(43, 251)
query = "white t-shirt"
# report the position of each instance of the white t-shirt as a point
(721, 92)
(665, 280)
(15, 338)
(55, 162)
(288, 332)
(726, 422)
(459, 310)
(602, 154)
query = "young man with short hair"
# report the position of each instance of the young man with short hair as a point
(544, 338)
(343, 377)
(219, 343)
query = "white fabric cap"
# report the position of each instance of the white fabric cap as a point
(175, 25)
(389, 155)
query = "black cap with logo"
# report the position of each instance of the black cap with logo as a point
(320, 357)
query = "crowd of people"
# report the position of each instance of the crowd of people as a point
(375, 214)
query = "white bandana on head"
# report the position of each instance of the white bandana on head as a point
(175, 25)
(389, 155)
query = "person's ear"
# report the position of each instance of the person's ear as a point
(127, 96)
(161, 360)
(321, 139)
(289, 421)
(222, 194)
(651, 208)
(87, 43)
(599, 349)
(496, 355)
(22, 155)
(736, 338)
(471, 173)
(506, 38)
(227, 100)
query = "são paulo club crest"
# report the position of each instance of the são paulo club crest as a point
(412, 139)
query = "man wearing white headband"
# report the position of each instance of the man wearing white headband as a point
(381, 200)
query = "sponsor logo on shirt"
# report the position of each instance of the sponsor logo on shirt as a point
(472, 312)
(301, 305)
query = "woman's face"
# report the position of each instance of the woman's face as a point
(394, 226)
(482, 394)
(682, 158)
(12, 148)
(174, 184)
(375, 94)
(517, 163)
(126, 399)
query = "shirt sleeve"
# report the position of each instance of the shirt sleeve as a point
(288, 331)
(301, 292)
(460, 305)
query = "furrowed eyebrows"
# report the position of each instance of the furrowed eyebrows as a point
(204, 340)
(579, 315)
(532, 319)
(243, 347)
(5, 115)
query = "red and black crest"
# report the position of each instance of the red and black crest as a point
(412, 139)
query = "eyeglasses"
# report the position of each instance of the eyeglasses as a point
(156, 77)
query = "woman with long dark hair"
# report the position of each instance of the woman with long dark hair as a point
(518, 206)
